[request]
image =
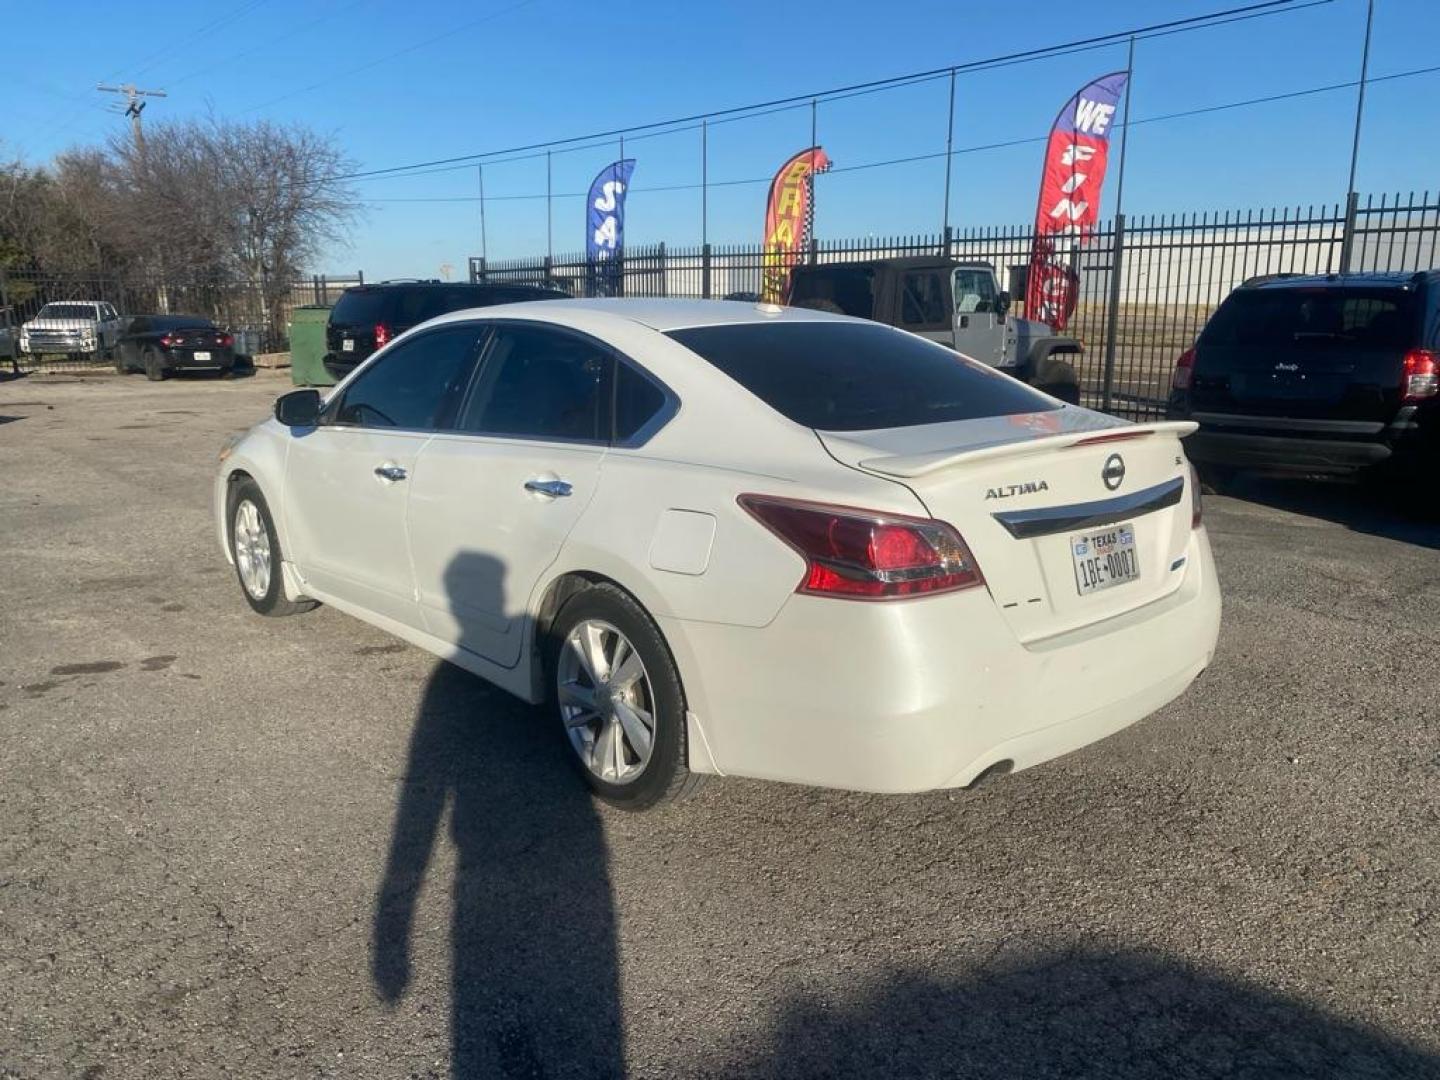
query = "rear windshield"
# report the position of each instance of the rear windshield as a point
(843, 376)
(848, 290)
(67, 311)
(406, 307)
(1291, 319)
(180, 322)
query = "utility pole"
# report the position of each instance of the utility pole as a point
(1360, 97)
(480, 174)
(949, 158)
(133, 107)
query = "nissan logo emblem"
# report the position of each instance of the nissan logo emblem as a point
(1113, 474)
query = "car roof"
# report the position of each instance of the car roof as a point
(661, 315)
(480, 286)
(1372, 279)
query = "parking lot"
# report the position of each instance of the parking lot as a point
(221, 831)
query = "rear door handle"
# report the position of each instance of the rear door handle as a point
(553, 488)
(390, 472)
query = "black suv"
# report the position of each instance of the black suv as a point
(1335, 375)
(368, 316)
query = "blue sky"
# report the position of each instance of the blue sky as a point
(398, 83)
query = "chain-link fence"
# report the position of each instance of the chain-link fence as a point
(1146, 284)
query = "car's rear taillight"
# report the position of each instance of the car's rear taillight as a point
(1421, 376)
(1184, 370)
(225, 340)
(1197, 498)
(382, 335)
(867, 554)
(168, 341)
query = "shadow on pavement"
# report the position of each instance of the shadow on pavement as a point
(1086, 1014)
(534, 986)
(534, 981)
(1392, 512)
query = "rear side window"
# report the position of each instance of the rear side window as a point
(843, 376)
(363, 307)
(637, 400)
(540, 384)
(1291, 319)
(922, 300)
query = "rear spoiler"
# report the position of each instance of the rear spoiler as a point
(924, 464)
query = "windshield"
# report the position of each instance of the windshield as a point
(1301, 318)
(68, 311)
(852, 376)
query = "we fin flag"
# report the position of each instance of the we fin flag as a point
(1070, 184)
(787, 217)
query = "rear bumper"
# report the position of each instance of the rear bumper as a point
(339, 365)
(222, 359)
(1312, 455)
(930, 693)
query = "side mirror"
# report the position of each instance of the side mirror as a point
(299, 408)
(1002, 303)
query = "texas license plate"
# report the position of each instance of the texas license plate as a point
(202, 356)
(1104, 558)
(348, 345)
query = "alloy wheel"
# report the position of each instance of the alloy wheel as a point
(607, 702)
(252, 549)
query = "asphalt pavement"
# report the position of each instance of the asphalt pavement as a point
(236, 846)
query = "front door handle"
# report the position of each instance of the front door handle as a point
(553, 488)
(390, 472)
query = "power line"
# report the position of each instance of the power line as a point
(940, 155)
(330, 81)
(1195, 22)
(266, 43)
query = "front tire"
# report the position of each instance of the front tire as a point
(256, 550)
(616, 692)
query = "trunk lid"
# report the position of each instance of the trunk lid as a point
(1022, 489)
(1312, 352)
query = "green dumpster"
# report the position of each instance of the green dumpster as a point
(307, 345)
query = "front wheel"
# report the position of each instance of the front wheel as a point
(256, 551)
(619, 700)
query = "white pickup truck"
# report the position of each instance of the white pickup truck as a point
(73, 328)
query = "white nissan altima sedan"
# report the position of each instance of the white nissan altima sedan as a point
(753, 541)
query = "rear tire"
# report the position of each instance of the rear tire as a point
(1058, 378)
(255, 548)
(154, 366)
(635, 777)
(1216, 479)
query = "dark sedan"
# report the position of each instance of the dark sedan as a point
(160, 344)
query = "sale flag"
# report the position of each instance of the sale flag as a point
(605, 226)
(1070, 184)
(787, 222)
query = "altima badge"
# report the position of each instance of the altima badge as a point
(1028, 488)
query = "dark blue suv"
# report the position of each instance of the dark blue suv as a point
(1336, 374)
